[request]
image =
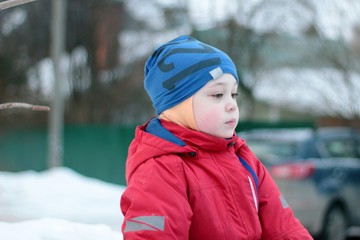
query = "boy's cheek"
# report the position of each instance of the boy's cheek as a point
(207, 119)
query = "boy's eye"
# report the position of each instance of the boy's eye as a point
(234, 95)
(218, 95)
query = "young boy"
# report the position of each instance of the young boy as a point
(189, 176)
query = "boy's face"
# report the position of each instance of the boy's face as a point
(215, 108)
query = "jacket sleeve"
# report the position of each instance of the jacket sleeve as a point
(276, 217)
(155, 204)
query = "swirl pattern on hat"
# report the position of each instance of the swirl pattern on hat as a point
(179, 68)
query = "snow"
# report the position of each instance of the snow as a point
(58, 204)
(55, 229)
(321, 91)
(13, 21)
(288, 17)
(333, 19)
(41, 77)
(205, 14)
(336, 19)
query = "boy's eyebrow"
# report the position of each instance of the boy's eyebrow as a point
(221, 84)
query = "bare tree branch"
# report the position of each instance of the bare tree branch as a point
(13, 3)
(5, 5)
(24, 105)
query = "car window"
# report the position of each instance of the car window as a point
(357, 148)
(341, 148)
(272, 152)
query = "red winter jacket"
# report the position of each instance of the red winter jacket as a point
(184, 184)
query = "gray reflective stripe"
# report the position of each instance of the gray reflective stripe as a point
(283, 201)
(152, 223)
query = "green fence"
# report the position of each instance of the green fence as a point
(248, 125)
(93, 150)
(97, 151)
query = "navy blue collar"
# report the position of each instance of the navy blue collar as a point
(154, 127)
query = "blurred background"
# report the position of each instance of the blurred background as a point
(299, 64)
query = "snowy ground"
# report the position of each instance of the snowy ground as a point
(58, 204)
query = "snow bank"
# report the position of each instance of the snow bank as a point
(57, 204)
(56, 229)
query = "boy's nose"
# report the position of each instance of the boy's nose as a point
(231, 106)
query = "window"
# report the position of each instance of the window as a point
(341, 148)
(273, 152)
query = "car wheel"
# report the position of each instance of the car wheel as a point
(335, 225)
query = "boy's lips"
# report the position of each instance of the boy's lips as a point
(231, 122)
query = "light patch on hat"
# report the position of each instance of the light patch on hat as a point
(216, 73)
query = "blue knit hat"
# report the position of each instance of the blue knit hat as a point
(179, 68)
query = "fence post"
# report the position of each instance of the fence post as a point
(56, 121)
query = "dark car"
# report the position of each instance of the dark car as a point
(318, 172)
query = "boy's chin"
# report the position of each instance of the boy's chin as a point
(224, 135)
